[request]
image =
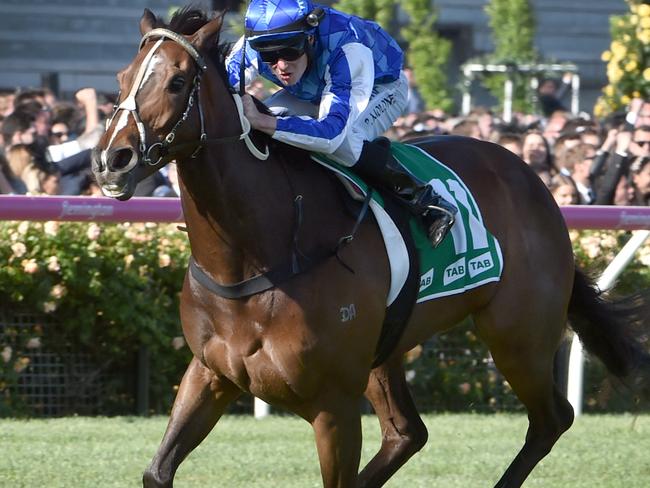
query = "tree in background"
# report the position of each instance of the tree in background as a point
(427, 54)
(381, 11)
(628, 59)
(513, 32)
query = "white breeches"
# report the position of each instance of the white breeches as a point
(387, 102)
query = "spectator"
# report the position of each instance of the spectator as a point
(555, 125)
(165, 187)
(5, 183)
(467, 128)
(89, 134)
(92, 189)
(625, 192)
(23, 173)
(59, 132)
(642, 110)
(564, 190)
(415, 102)
(641, 178)
(563, 143)
(567, 140)
(41, 116)
(631, 148)
(484, 118)
(6, 103)
(537, 153)
(74, 172)
(576, 163)
(640, 167)
(18, 128)
(590, 135)
(50, 179)
(44, 97)
(512, 142)
(551, 92)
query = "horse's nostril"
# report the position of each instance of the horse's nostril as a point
(120, 158)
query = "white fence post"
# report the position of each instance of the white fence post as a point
(261, 408)
(508, 90)
(607, 279)
(575, 94)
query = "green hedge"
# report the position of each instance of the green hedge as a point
(110, 289)
(454, 371)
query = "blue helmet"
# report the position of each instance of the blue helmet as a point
(273, 21)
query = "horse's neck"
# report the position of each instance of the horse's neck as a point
(238, 211)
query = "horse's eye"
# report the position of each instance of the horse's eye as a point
(176, 84)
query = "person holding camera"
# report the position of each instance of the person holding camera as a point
(623, 154)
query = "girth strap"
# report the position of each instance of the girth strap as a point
(246, 288)
(270, 279)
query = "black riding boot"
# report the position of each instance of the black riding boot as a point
(378, 166)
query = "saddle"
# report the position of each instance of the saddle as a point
(469, 257)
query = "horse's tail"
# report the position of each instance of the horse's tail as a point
(612, 330)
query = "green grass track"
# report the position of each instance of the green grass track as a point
(604, 451)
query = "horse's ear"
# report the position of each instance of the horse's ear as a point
(147, 22)
(204, 37)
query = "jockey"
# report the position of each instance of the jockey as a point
(342, 87)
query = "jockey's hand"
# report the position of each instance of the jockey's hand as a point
(262, 122)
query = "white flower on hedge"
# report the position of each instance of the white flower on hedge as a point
(164, 260)
(23, 227)
(178, 342)
(21, 364)
(53, 264)
(30, 266)
(19, 249)
(591, 245)
(644, 256)
(6, 354)
(57, 291)
(608, 240)
(93, 232)
(49, 307)
(33, 343)
(51, 227)
(128, 259)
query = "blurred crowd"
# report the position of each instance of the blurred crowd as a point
(46, 143)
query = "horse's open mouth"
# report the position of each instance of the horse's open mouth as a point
(119, 192)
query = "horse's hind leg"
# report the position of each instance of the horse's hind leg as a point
(200, 402)
(402, 429)
(523, 345)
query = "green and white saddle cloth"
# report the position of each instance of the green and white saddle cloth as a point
(468, 257)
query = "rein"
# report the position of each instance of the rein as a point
(154, 153)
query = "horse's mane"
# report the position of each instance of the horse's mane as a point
(190, 19)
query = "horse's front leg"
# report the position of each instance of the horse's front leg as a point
(200, 402)
(337, 427)
(402, 429)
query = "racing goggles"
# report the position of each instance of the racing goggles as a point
(287, 49)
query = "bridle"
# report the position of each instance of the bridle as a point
(154, 153)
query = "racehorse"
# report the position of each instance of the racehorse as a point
(285, 340)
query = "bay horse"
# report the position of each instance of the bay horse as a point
(286, 343)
